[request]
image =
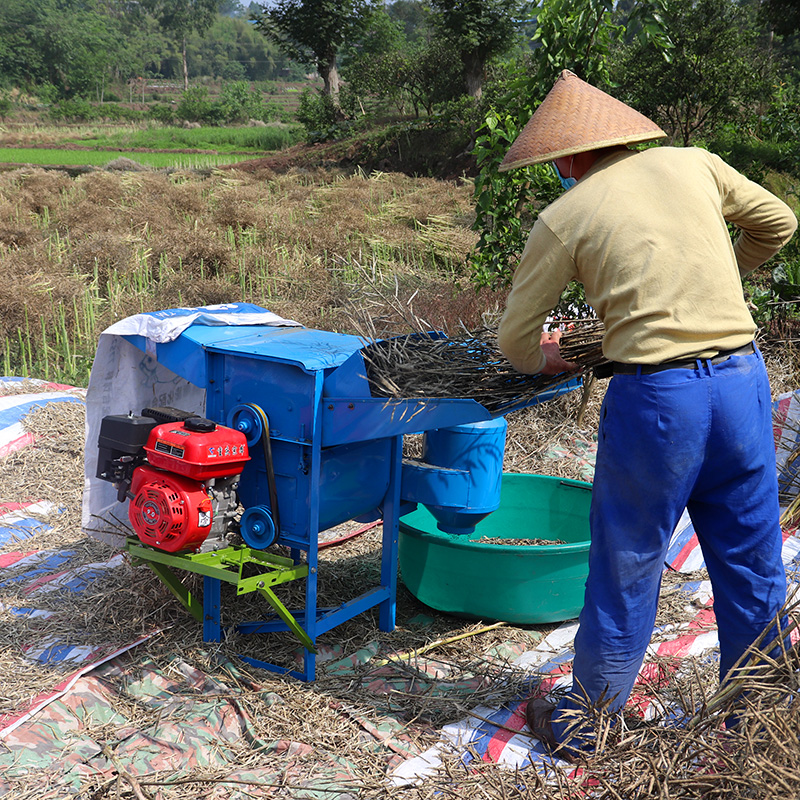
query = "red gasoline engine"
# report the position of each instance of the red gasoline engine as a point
(180, 473)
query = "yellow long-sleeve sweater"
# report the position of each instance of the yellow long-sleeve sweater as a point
(645, 232)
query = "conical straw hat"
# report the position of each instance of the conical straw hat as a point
(573, 118)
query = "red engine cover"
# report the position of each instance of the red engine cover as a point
(169, 512)
(196, 454)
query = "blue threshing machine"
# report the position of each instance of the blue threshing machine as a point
(320, 450)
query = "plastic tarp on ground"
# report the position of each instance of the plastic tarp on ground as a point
(58, 741)
(202, 725)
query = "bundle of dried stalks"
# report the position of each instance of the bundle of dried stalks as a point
(25, 386)
(471, 367)
(782, 363)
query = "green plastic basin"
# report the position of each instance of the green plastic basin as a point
(522, 583)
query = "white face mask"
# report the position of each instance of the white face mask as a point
(567, 183)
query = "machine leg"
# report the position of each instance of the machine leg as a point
(388, 607)
(291, 623)
(309, 665)
(212, 600)
(391, 534)
(309, 656)
(173, 583)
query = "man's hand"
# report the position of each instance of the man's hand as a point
(554, 363)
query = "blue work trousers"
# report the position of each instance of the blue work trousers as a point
(680, 438)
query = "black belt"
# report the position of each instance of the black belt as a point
(617, 368)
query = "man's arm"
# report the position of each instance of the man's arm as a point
(766, 222)
(542, 275)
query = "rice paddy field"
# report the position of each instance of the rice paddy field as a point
(352, 252)
(148, 146)
(41, 157)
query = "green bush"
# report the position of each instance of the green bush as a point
(163, 113)
(775, 297)
(277, 113)
(318, 115)
(6, 104)
(507, 204)
(752, 156)
(75, 110)
(47, 93)
(119, 113)
(196, 106)
(80, 110)
(233, 71)
(315, 110)
(268, 87)
(781, 120)
(463, 111)
(238, 103)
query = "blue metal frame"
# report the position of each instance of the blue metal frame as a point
(284, 373)
(212, 609)
(323, 424)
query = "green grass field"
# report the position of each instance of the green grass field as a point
(223, 140)
(99, 158)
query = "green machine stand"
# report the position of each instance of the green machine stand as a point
(228, 565)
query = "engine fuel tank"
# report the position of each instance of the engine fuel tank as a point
(197, 448)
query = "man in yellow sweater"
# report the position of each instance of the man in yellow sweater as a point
(686, 421)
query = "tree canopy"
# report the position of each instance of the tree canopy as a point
(68, 47)
(479, 30)
(783, 15)
(716, 72)
(314, 31)
(180, 17)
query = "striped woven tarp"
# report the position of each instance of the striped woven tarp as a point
(480, 735)
(26, 575)
(14, 407)
(21, 520)
(684, 553)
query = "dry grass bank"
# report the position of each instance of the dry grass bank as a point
(78, 254)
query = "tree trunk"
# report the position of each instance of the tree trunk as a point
(185, 66)
(330, 82)
(473, 75)
(330, 78)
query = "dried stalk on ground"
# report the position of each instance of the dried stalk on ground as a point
(741, 741)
